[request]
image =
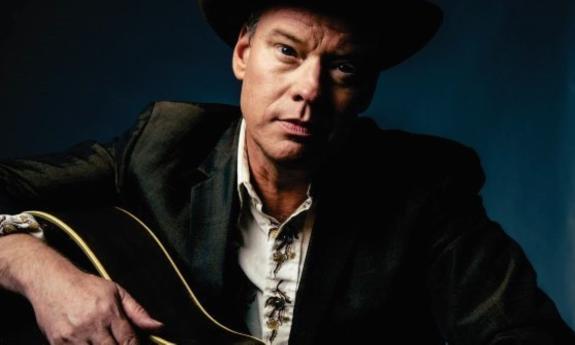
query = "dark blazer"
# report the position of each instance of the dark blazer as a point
(402, 251)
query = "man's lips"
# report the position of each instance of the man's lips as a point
(297, 128)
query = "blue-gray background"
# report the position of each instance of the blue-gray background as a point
(499, 76)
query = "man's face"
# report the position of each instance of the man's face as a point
(304, 76)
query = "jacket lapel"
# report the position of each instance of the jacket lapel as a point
(334, 236)
(213, 209)
(331, 245)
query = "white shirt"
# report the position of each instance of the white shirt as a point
(271, 255)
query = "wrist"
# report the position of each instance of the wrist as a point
(44, 268)
(17, 253)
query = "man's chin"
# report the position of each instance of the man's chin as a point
(300, 161)
(293, 155)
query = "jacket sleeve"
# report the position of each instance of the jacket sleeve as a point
(483, 288)
(86, 174)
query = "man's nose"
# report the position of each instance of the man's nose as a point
(307, 84)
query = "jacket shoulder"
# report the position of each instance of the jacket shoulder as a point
(171, 113)
(168, 123)
(168, 132)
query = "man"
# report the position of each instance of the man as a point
(295, 220)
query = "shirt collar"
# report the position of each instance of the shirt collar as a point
(243, 170)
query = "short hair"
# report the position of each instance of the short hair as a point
(251, 22)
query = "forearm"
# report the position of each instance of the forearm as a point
(25, 261)
(83, 174)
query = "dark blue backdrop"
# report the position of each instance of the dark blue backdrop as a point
(499, 76)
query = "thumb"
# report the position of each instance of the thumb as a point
(136, 313)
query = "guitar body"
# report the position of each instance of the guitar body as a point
(114, 244)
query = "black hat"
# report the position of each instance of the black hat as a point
(404, 25)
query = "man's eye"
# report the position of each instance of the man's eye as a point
(347, 68)
(287, 50)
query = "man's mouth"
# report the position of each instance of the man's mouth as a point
(297, 128)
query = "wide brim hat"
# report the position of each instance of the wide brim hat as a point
(405, 26)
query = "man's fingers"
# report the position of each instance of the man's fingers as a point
(136, 313)
(123, 333)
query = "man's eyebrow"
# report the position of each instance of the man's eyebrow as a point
(280, 32)
(352, 52)
(355, 50)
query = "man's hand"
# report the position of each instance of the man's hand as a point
(88, 309)
(73, 307)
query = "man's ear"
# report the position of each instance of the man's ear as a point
(241, 54)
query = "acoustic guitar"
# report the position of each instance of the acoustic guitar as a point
(113, 243)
